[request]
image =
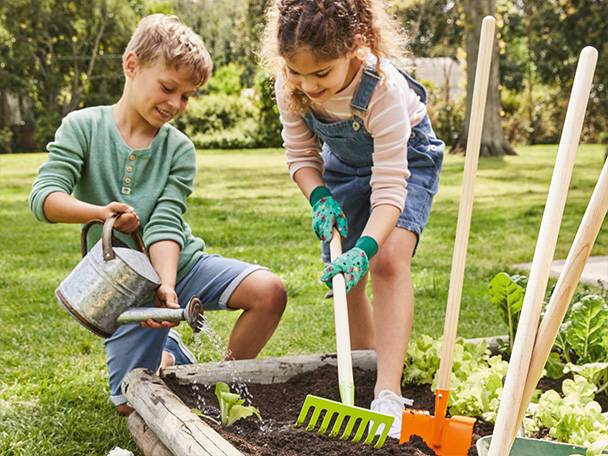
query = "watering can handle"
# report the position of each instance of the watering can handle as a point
(108, 226)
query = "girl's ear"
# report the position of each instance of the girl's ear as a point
(130, 64)
(359, 50)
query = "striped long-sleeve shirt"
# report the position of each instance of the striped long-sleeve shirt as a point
(393, 110)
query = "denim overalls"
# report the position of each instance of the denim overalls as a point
(347, 155)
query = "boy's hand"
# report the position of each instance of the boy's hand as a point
(326, 212)
(165, 297)
(127, 222)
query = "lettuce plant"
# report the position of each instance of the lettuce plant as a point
(583, 340)
(422, 362)
(586, 330)
(574, 418)
(231, 405)
(507, 295)
(478, 392)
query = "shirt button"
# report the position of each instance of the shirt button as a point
(129, 169)
(132, 157)
(356, 125)
(127, 180)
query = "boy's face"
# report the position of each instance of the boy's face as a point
(320, 79)
(158, 92)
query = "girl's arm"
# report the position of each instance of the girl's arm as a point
(381, 222)
(308, 179)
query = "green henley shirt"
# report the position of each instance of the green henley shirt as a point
(90, 159)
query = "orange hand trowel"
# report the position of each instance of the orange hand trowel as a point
(452, 436)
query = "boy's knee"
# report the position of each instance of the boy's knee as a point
(271, 293)
(277, 295)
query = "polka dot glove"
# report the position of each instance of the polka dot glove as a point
(326, 213)
(353, 264)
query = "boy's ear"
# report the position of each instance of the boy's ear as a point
(130, 64)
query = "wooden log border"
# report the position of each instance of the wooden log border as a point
(145, 439)
(182, 432)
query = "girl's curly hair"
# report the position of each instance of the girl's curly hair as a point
(329, 29)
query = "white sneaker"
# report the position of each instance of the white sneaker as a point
(390, 403)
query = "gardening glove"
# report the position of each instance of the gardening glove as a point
(353, 264)
(326, 212)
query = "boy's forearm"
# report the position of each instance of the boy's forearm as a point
(164, 256)
(308, 179)
(60, 207)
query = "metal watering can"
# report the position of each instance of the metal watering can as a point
(101, 291)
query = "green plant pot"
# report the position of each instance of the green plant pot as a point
(533, 447)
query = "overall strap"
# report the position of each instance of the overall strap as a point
(415, 86)
(369, 80)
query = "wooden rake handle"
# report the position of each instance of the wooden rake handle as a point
(345, 365)
(510, 401)
(461, 242)
(566, 286)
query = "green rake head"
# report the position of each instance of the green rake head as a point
(347, 416)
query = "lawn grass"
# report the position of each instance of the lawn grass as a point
(53, 393)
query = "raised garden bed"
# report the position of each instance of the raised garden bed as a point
(278, 387)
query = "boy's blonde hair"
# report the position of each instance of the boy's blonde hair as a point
(162, 36)
(328, 28)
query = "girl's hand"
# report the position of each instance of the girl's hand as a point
(326, 213)
(353, 264)
(165, 297)
(127, 222)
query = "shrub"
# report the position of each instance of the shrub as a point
(241, 137)
(447, 116)
(214, 112)
(269, 129)
(226, 80)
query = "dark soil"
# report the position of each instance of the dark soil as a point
(280, 404)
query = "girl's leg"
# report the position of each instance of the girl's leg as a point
(393, 307)
(360, 319)
(262, 297)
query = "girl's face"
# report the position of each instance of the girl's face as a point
(320, 79)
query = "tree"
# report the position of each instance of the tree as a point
(252, 26)
(493, 142)
(217, 23)
(435, 29)
(561, 29)
(63, 55)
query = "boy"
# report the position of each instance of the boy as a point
(126, 159)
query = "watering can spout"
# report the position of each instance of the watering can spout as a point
(192, 313)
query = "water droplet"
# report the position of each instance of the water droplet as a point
(220, 348)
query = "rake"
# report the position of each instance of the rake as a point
(344, 415)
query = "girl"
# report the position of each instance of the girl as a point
(357, 135)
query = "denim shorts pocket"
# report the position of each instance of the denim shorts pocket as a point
(422, 152)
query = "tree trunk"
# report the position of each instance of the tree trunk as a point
(493, 142)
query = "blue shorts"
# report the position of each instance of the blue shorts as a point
(350, 186)
(213, 279)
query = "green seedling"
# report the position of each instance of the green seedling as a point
(231, 405)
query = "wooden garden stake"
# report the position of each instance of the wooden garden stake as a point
(506, 420)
